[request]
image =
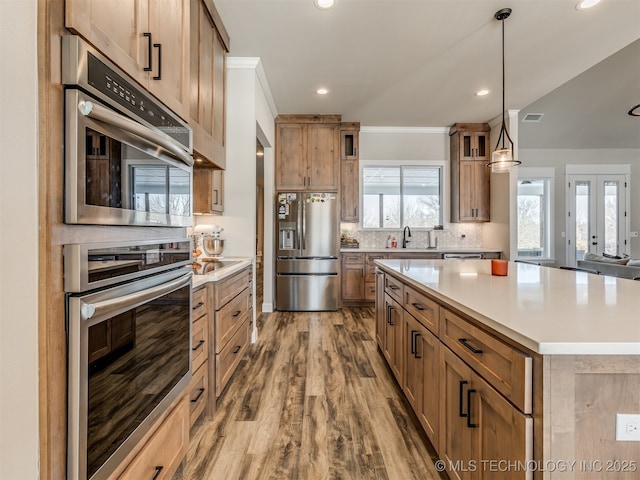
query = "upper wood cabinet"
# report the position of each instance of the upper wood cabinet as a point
(349, 172)
(209, 47)
(470, 177)
(148, 39)
(307, 152)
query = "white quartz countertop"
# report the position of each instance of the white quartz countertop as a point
(220, 273)
(547, 310)
(409, 251)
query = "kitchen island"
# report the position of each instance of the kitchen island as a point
(520, 376)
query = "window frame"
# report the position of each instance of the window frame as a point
(547, 176)
(444, 189)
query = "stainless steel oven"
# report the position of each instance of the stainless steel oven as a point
(129, 346)
(127, 157)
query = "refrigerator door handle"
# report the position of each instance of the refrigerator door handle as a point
(304, 224)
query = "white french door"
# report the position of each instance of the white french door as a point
(597, 220)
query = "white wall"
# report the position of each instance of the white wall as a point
(19, 448)
(250, 114)
(558, 158)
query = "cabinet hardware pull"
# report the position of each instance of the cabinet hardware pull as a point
(197, 306)
(466, 343)
(416, 342)
(389, 308)
(215, 192)
(355, 151)
(237, 349)
(469, 424)
(159, 47)
(413, 342)
(149, 66)
(393, 287)
(462, 384)
(417, 306)
(200, 392)
(200, 343)
(238, 312)
(158, 471)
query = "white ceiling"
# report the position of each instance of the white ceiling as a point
(420, 62)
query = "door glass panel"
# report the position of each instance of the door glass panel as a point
(482, 145)
(583, 216)
(611, 193)
(466, 146)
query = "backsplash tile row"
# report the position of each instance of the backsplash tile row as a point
(452, 236)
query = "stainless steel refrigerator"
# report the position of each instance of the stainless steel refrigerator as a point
(307, 251)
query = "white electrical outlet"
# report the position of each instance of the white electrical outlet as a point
(627, 427)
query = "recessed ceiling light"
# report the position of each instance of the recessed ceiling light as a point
(482, 93)
(584, 4)
(322, 91)
(324, 3)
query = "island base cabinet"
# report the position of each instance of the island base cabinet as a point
(393, 336)
(380, 310)
(486, 437)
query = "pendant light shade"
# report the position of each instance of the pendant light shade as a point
(502, 157)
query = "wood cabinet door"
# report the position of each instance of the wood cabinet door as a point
(413, 374)
(427, 408)
(502, 433)
(219, 101)
(380, 310)
(466, 191)
(352, 282)
(349, 191)
(393, 336)
(323, 163)
(349, 144)
(116, 29)
(482, 176)
(456, 438)
(217, 194)
(291, 153)
(169, 78)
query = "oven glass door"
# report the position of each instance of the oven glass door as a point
(130, 357)
(116, 177)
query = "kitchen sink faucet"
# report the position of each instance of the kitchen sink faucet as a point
(405, 236)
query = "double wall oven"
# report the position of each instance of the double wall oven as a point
(128, 304)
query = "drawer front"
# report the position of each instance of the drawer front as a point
(227, 360)
(393, 287)
(425, 310)
(199, 305)
(353, 258)
(199, 342)
(506, 369)
(370, 270)
(162, 454)
(198, 393)
(227, 288)
(229, 318)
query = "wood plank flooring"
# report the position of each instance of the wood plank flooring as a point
(313, 399)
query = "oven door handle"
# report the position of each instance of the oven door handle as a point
(105, 307)
(102, 114)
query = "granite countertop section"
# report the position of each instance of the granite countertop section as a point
(548, 310)
(220, 273)
(408, 251)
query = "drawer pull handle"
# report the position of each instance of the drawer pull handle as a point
(238, 312)
(200, 392)
(462, 384)
(393, 287)
(466, 343)
(237, 349)
(417, 306)
(413, 342)
(158, 472)
(198, 305)
(200, 343)
(469, 424)
(389, 308)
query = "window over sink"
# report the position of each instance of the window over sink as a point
(397, 195)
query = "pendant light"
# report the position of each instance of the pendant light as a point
(502, 157)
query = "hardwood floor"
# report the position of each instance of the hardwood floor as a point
(313, 399)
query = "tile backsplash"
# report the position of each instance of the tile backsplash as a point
(467, 235)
